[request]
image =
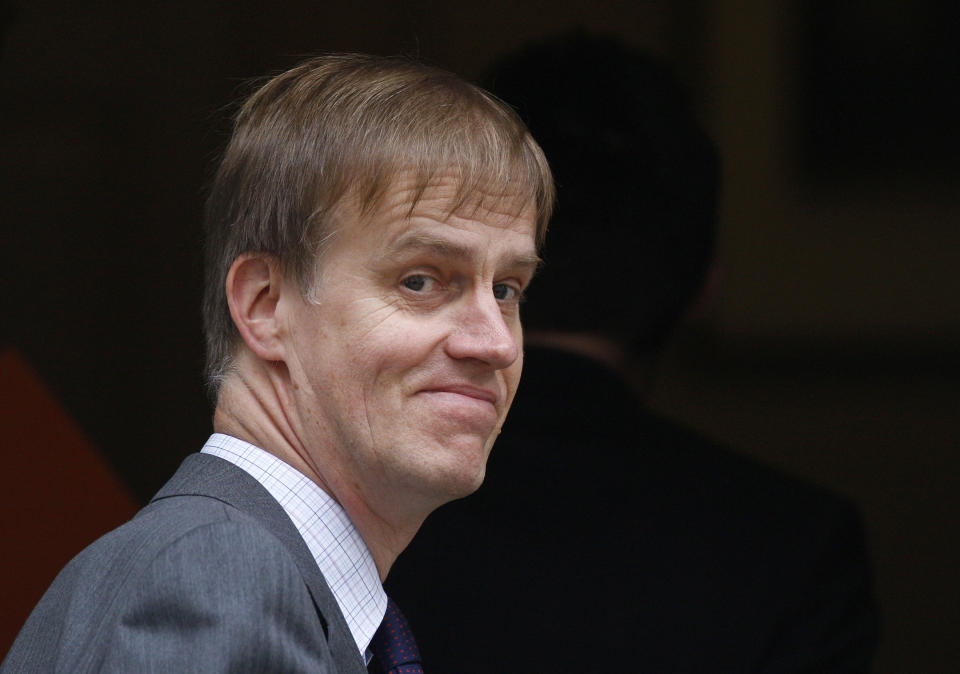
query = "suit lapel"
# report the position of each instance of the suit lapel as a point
(211, 476)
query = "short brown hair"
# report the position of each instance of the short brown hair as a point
(343, 125)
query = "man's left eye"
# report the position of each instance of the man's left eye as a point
(503, 291)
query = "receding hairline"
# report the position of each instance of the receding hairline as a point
(407, 193)
(516, 183)
(479, 193)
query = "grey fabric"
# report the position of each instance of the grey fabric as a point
(212, 576)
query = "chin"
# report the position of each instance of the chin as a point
(468, 486)
(461, 476)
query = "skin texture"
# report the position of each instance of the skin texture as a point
(388, 384)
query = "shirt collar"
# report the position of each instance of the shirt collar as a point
(336, 545)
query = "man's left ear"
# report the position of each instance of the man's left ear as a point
(253, 287)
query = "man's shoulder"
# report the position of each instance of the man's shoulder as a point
(184, 558)
(181, 513)
(178, 520)
(680, 464)
(597, 431)
(186, 542)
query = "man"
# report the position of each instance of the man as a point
(606, 538)
(371, 229)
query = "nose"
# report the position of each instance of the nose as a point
(483, 333)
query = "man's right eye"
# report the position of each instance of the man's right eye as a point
(417, 283)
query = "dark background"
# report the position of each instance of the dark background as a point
(831, 348)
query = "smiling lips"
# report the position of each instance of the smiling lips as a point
(468, 390)
(463, 395)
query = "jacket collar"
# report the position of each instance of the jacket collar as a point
(213, 477)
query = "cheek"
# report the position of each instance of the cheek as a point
(381, 361)
(408, 340)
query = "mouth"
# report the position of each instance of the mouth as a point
(461, 420)
(467, 391)
(464, 404)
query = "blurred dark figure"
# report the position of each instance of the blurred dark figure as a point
(605, 538)
(8, 15)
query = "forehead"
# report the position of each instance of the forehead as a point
(442, 206)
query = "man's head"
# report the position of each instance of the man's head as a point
(637, 183)
(349, 125)
(371, 229)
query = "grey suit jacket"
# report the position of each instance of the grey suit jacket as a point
(211, 576)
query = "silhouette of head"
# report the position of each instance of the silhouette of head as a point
(637, 184)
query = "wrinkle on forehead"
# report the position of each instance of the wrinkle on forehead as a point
(446, 195)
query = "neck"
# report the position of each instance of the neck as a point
(253, 405)
(636, 369)
(608, 351)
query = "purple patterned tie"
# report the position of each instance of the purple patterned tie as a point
(394, 648)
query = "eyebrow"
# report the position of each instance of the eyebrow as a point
(449, 249)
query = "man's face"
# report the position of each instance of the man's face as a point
(406, 361)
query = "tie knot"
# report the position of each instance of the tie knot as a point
(394, 648)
